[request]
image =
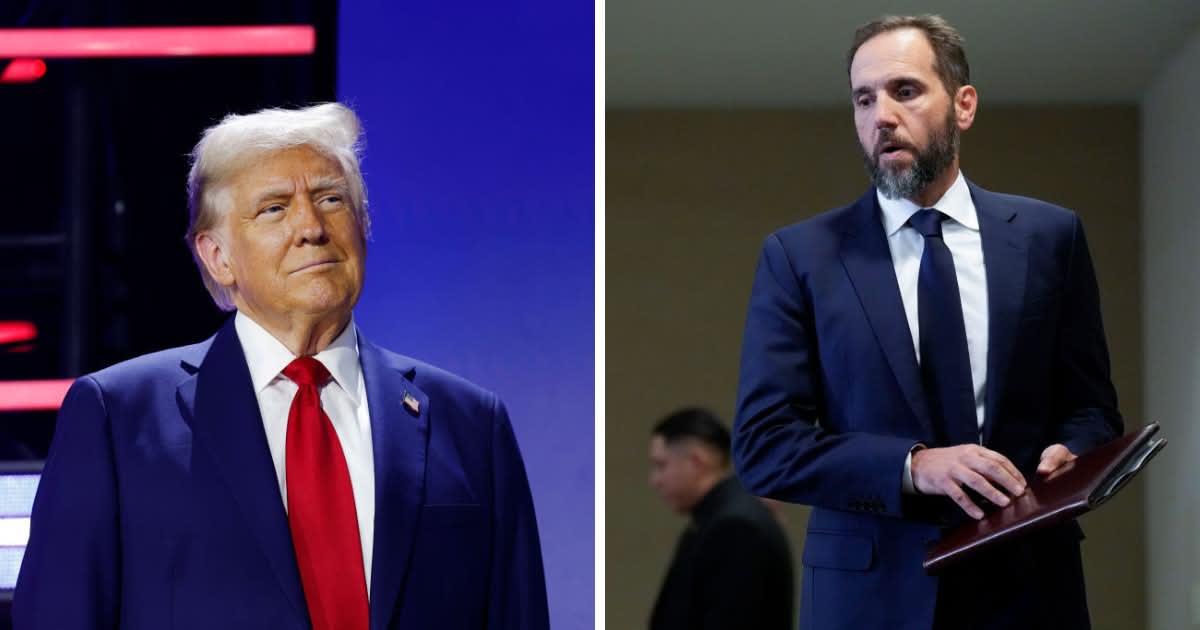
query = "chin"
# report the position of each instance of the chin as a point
(323, 304)
(321, 296)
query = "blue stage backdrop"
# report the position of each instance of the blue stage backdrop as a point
(480, 170)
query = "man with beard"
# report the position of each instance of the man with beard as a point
(919, 354)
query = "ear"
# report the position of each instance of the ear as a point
(702, 456)
(212, 252)
(966, 99)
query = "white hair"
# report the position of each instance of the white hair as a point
(331, 129)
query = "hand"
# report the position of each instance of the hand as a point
(946, 470)
(1053, 459)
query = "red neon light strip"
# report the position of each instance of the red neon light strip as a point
(33, 395)
(167, 41)
(16, 332)
(23, 71)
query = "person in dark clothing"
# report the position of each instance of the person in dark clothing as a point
(732, 566)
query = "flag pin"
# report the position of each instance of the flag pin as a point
(412, 403)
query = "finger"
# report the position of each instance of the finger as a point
(1053, 457)
(996, 473)
(957, 495)
(1061, 450)
(983, 486)
(1005, 462)
(1058, 472)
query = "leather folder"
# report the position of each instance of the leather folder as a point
(1079, 486)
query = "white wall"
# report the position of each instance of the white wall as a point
(1171, 246)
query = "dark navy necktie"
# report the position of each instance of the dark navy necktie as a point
(945, 362)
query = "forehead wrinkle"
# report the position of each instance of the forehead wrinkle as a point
(325, 182)
(275, 188)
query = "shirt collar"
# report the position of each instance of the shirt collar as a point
(266, 356)
(956, 204)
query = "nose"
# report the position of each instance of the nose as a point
(308, 224)
(886, 113)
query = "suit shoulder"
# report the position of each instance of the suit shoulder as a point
(133, 384)
(1034, 209)
(814, 239)
(182, 361)
(816, 227)
(739, 510)
(749, 508)
(437, 381)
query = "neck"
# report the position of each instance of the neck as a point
(937, 188)
(705, 485)
(302, 334)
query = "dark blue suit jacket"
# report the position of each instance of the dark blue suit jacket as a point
(830, 402)
(159, 506)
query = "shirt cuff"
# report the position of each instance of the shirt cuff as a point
(906, 483)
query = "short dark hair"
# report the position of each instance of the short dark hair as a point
(949, 58)
(695, 423)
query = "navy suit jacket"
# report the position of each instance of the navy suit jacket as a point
(830, 402)
(159, 506)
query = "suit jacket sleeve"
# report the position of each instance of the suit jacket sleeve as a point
(517, 598)
(1084, 396)
(69, 576)
(779, 448)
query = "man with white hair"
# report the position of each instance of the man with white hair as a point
(285, 473)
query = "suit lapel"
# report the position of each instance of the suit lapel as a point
(868, 262)
(226, 423)
(1005, 255)
(399, 436)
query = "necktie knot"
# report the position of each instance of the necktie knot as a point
(928, 221)
(307, 371)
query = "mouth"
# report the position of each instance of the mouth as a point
(892, 149)
(315, 265)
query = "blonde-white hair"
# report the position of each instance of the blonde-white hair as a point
(331, 129)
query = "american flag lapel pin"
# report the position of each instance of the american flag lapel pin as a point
(411, 403)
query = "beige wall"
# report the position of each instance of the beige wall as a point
(1172, 336)
(690, 196)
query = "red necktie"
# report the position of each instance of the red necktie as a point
(321, 512)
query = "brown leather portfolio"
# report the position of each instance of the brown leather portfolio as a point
(1077, 487)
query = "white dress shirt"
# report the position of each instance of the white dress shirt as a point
(344, 400)
(961, 235)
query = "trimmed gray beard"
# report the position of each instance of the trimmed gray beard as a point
(906, 183)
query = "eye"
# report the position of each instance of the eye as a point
(906, 92)
(862, 101)
(272, 209)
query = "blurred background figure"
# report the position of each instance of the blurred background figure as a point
(732, 567)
